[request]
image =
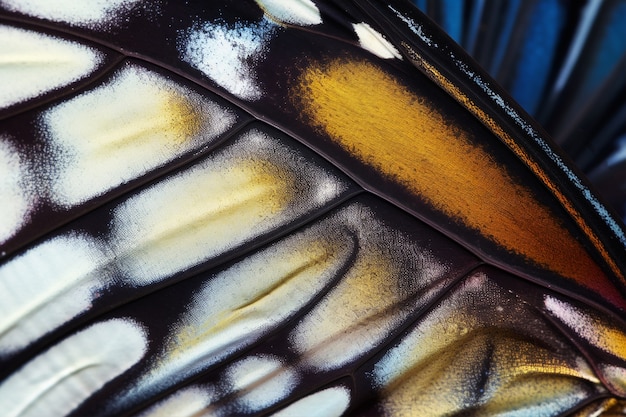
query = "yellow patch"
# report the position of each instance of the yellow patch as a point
(471, 353)
(369, 287)
(522, 376)
(167, 120)
(390, 128)
(360, 311)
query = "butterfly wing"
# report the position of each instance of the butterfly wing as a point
(256, 208)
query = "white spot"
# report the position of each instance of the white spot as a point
(373, 41)
(61, 378)
(79, 13)
(17, 203)
(188, 402)
(123, 129)
(47, 286)
(331, 402)
(33, 63)
(295, 12)
(260, 381)
(476, 282)
(326, 189)
(228, 54)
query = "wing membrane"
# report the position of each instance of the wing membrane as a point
(267, 207)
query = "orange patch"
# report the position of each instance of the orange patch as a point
(390, 128)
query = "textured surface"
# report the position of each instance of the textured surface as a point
(302, 209)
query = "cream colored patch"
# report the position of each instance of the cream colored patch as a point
(260, 381)
(372, 298)
(47, 286)
(137, 122)
(59, 379)
(330, 402)
(32, 64)
(375, 42)
(17, 201)
(188, 402)
(294, 12)
(237, 194)
(80, 13)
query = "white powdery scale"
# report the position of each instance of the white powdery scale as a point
(32, 64)
(616, 377)
(91, 13)
(228, 54)
(188, 402)
(415, 28)
(59, 379)
(587, 327)
(47, 286)
(600, 333)
(17, 201)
